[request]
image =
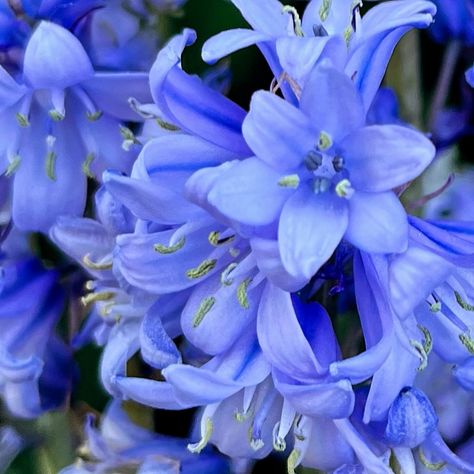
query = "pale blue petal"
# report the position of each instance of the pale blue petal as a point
(377, 223)
(311, 227)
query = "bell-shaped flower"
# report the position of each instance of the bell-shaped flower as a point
(319, 174)
(61, 101)
(35, 367)
(120, 444)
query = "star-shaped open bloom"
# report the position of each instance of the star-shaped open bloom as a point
(319, 174)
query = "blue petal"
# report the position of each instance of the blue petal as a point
(311, 227)
(249, 193)
(382, 29)
(227, 317)
(338, 17)
(55, 58)
(227, 42)
(382, 157)
(156, 346)
(470, 76)
(111, 91)
(276, 319)
(377, 223)
(278, 133)
(10, 91)
(188, 103)
(332, 102)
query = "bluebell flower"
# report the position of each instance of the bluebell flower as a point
(292, 46)
(318, 163)
(454, 21)
(10, 446)
(61, 100)
(35, 367)
(120, 444)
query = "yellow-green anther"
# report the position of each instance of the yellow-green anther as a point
(196, 448)
(432, 466)
(51, 165)
(94, 116)
(324, 10)
(325, 141)
(462, 303)
(22, 120)
(467, 342)
(129, 138)
(86, 165)
(202, 269)
(204, 308)
(165, 250)
(296, 19)
(289, 181)
(225, 280)
(13, 166)
(292, 462)
(167, 126)
(101, 296)
(86, 260)
(241, 416)
(428, 340)
(422, 353)
(56, 115)
(256, 444)
(435, 307)
(348, 34)
(279, 444)
(344, 189)
(215, 239)
(242, 293)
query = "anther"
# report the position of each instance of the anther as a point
(325, 141)
(129, 138)
(86, 260)
(165, 250)
(428, 340)
(13, 166)
(86, 165)
(467, 342)
(422, 354)
(344, 189)
(437, 466)
(296, 19)
(204, 308)
(94, 116)
(289, 181)
(242, 293)
(51, 165)
(22, 120)
(56, 115)
(324, 10)
(202, 269)
(464, 305)
(94, 297)
(196, 448)
(293, 461)
(216, 240)
(313, 160)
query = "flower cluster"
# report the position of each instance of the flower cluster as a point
(273, 267)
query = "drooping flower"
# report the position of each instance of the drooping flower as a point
(61, 100)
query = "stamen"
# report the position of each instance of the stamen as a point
(428, 340)
(94, 297)
(129, 138)
(289, 181)
(464, 305)
(167, 126)
(242, 293)
(196, 448)
(293, 461)
(94, 116)
(348, 32)
(325, 141)
(92, 113)
(86, 260)
(22, 120)
(58, 112)
(225, 280)
(467, 342)
(86, 165)
(344, 189)
(22, 116)
(279, 444)
(325, 9)
(296, 19)
(13, 166)
(204, 308)
(202, 269)
(51, 165)
(429, 465)
(216, 240)
(435, 307)
(56, 115)
(422, 353)
(165, 250)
